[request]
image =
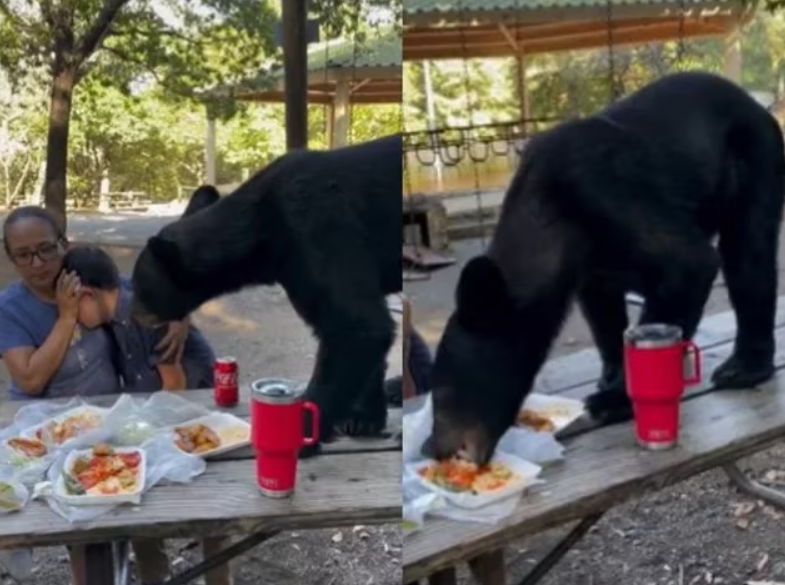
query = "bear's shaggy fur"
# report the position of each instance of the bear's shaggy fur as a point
(626, 200)
(326, 226)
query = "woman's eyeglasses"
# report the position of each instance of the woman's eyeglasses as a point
(45, 253)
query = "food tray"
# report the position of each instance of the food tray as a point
(561, 411)
(526, 471)
(30, 432)
(90, 500)
(222, 423)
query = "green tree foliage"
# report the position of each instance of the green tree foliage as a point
(183, 45)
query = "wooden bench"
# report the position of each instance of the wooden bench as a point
(604, 467)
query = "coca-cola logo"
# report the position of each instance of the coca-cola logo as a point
(226, 378)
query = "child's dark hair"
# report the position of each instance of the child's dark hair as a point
(94, 267)
(31, 212)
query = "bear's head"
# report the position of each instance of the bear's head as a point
(162, 288)
(475, 382)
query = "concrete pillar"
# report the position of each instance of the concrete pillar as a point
(104, 205)
(329, 116)
(210, 151)
(341, 105)
(733, 64)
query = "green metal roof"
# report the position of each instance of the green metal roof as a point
(456, 6)
(382, 51)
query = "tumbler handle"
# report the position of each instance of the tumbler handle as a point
(693, 351)
(314, 410)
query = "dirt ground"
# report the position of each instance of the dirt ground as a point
(259, 328)
(698, 532)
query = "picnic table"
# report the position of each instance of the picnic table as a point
(604, 467)
(353, 482)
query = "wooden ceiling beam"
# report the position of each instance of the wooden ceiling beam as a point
(518, 31)
(496, 46)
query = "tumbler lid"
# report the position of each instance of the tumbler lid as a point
(653, 335)
(276, 390)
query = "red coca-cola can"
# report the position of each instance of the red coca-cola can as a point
(225, 382)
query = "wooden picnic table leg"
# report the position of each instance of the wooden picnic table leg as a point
(210, 547)
(564, 546)
(488, 568)
(444, 577)
(98, 564)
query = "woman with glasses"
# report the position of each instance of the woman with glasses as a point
(45, 351)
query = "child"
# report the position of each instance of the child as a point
(106, 302)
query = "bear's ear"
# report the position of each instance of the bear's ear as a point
(203, 197)
(166, 253)
(482, 299)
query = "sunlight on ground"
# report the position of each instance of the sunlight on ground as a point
(217, 311)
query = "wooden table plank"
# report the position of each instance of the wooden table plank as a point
(605, 468)
(341, 490)
(205, 397)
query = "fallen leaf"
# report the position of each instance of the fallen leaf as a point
(773, 513)
(774, 477)
(743, 508)
(743, 523)
(764, 559)
(337, 537)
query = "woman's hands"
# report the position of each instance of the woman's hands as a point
(67, 292)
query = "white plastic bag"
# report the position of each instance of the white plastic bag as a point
(18, 562)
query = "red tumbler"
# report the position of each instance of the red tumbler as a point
(658, 365)
(277, 421)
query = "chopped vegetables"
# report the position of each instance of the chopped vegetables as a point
(457, 475)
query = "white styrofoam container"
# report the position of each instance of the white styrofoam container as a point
(527, 475)
(561, 411)
(220, 422)
(31, 431)
(90, 500)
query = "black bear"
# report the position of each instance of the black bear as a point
(326, 226)
(627, 200)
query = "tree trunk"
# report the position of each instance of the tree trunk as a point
(57, 143)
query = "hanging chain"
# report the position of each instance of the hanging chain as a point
(469, 131)
(327, 108)
(352, 79)
(613, 82)
(680, 48)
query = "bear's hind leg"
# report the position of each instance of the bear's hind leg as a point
(682, 286)
(748, 248)
(352, 348)
(369, 415)
(679, 269)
